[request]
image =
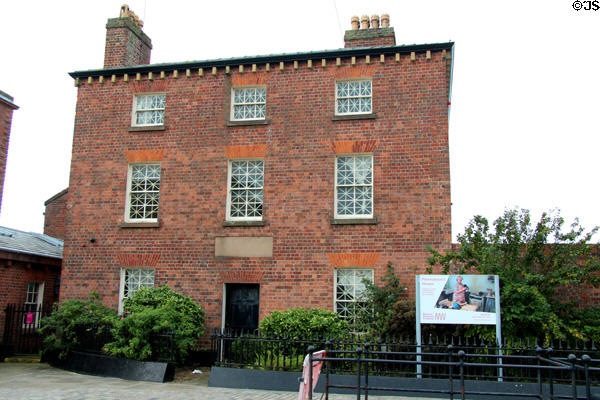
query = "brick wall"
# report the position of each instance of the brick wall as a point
(6, 112)
(54, 215)
(408, 139)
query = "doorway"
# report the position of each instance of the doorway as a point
(241, 307)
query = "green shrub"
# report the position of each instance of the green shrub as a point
(378, 314)
(302, 323)
(152, 312)
(67, 322)
(537, 263)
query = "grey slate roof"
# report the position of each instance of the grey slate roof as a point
(30, 243)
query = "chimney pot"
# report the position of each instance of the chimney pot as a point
(375, 21)
(364, 22)
(385, 20)
(127, 13)
(354, 21)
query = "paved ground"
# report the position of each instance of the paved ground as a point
(42, 382)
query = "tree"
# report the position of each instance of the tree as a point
(538, 265)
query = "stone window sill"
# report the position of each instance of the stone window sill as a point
(244, 123)
(354, 221)
(353, 117)
(243, 223)
(139, 225)
(146, 128)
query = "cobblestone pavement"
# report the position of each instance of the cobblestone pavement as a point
(42, 382)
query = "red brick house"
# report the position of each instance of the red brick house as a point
(260, 183)
(29, 262)
(7, 106)
(29, 272)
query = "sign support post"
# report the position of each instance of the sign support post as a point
(434, 306)
(418, 327)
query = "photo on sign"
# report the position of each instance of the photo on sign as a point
(468, 293)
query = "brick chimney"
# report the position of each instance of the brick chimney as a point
(373, 32)
(126, 43)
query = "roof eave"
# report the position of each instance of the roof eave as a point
(30, 253)
(271, 58)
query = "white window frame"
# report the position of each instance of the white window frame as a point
(353, 97)
(233, 104)
(335, 284)
(128, 193)
(228, 211)
(135, 110)
(122, 283)
(39, 299)
(372, 185)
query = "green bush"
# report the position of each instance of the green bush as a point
(63, 328)
(152, 312)
(538, 263)
(302, 323)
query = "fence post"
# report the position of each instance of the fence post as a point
(327, 365)
(461, 357)
(586, 364)
(450, 371)
(7, 322)
(310, 375)
(171, 340)
(551, 383)
(539, 352)
(358, 353)
(572, 358)
(367, 345)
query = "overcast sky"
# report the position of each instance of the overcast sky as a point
(524, 125)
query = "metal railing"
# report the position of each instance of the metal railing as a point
(287, 354)
(545, 367)
(21, 325)
(94, 338)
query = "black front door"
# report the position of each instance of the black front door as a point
(241, 307)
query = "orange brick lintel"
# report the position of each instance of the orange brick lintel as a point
(137, 260)
(247, 80)
(241, 277)
(354, 146)
(257, 150)
(353, 259)
(144, 155)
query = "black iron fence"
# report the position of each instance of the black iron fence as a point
(23, 321)
(485, 359)
(94, 338)
(546, 368)
(21, 326)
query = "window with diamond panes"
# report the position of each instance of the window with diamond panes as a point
(149, 110)
(349, 289)
(353, 97)
(354, 186)
(135, 279)
(249, 104)
(246, 179)
(144, 187)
